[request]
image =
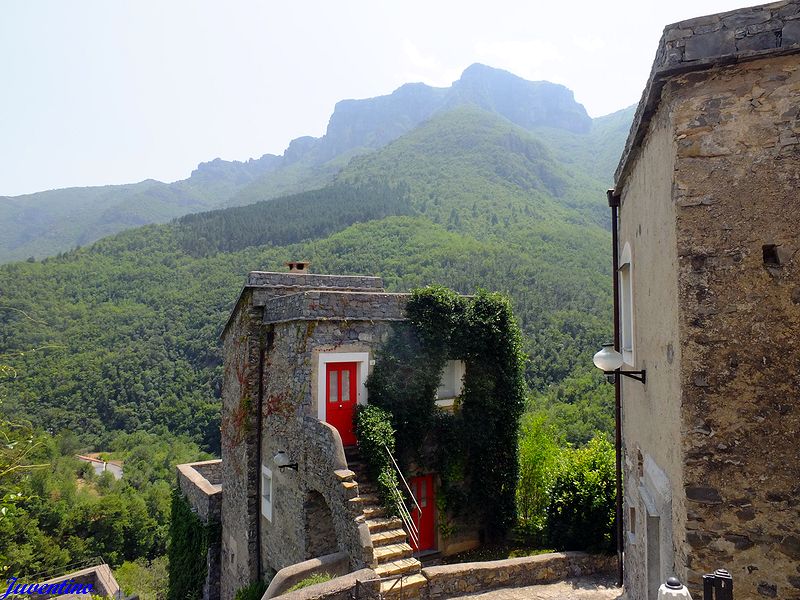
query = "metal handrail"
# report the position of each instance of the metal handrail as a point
(405, 514)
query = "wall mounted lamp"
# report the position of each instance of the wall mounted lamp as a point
(609, 362)
(281, 461)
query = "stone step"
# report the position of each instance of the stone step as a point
(372, 512)
(369, 498)
(395, 567)
(384, 523)
(344, 474)
(409, 586)
(390, 536)
(384, 554)
(350, 485)
(357, 467)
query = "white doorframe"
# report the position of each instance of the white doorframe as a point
(362, 358)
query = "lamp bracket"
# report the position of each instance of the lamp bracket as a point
(637, 375)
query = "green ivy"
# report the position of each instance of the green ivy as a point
(474, 450)
(375, 434)
(190, 539)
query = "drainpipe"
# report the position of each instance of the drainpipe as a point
(613, 202)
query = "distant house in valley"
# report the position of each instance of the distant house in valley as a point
(298, 349)
(709, 273)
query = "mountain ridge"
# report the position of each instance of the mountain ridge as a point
(46, 223)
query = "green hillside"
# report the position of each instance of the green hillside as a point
(123, 335)
(47, 223)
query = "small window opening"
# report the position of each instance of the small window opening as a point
(769, 252)
(632, 520)
(266, 492)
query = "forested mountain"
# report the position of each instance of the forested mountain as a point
(495, 182)
(122, 335)
(47, 223)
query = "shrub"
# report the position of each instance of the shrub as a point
(582, 499)
(375, 434)
(253, 591)
(539, 456)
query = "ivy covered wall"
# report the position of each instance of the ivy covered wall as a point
(474, 448)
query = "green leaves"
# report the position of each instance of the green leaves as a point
(473, 450)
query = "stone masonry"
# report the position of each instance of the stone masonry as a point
(709, 215)
(281, 325)
(200, 484)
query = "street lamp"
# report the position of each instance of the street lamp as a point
(609, 361)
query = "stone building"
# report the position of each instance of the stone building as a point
(298, 349)
(709, 215)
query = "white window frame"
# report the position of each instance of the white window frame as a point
(458, 374)
(626, 320)
(362, 358)
(267, 502)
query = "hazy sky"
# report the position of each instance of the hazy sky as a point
(109, 91)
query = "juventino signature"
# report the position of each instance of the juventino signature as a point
(62, 587)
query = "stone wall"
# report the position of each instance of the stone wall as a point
(274, 279)
(319, 305)
(737, 174)
(203, 496)
(714, 40)
(196, 482)
(448, 581)
(292, 424)
(242, 348)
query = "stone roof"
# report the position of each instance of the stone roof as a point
(707, 42)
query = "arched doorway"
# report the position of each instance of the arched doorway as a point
(319, 529)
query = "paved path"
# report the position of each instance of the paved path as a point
(581, 588)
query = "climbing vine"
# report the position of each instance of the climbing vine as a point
(474, 449)
(190, 539)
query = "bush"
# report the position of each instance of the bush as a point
(582, 499)
(375, 434)
(539, 456)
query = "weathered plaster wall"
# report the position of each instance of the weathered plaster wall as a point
(651, 422)
(736, 190)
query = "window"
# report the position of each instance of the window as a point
(451, 384)
(266, 492)
(626, 305)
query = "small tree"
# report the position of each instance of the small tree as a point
(582, 499)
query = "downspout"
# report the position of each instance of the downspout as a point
(613, 202)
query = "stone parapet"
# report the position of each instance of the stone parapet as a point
(322, 305)
(336, 565)
(712, 41)
(447, 581)
(200, 484)
(340, 588)
(311, 280)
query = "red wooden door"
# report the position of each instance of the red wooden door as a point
(422, 488)
(341, 397)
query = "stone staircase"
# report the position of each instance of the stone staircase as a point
(393, 554)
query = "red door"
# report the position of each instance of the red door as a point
(341, 397)
(422, 488)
